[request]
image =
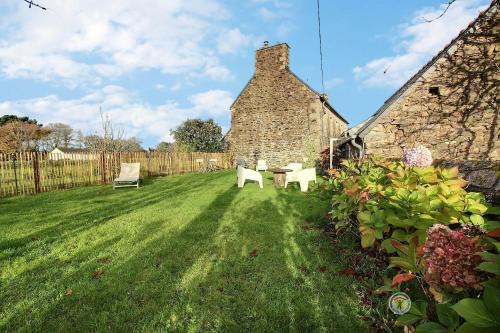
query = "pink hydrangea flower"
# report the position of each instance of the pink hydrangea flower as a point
(450, 259)
(418, 157)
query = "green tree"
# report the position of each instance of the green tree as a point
(11, 118)
(200, 135)
(164, 147)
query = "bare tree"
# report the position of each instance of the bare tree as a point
(448, 5)
(60, 135)
(110, 139)
(32, 4)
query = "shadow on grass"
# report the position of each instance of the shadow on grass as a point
(71, 212)
(241, 263)
(106, 303)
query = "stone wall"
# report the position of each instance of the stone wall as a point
(452, 108)
(277, 116)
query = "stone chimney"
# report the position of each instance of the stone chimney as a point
(271, 59)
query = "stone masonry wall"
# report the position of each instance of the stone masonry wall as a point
(453, 108)
(277, 116)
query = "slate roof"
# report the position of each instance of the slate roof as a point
(372, 121)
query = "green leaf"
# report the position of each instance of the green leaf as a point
(477, 219)
(469, 328)
(474, 311)
(378, 233)
(488, 256)
(445, 190)
(367, 237)
(403, 263)
(490, 267)
(399, 234)
(396, 221)
(493, 210)
(387, 246)
(419, 308)
(364, 216)
(491, 298)
(430, 327)
(491, 225)
(477, 208)
(449, 173)
(407, 319)
(447, 316)
(421, 236)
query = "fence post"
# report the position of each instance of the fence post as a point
(36, 172)
(103, 168)
(14, 159)
(149, 163)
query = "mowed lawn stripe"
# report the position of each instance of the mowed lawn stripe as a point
(182, 253)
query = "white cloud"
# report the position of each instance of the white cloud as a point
(176, 87)
(267, 14)
(212, 102)
(86, 41)
(273, 9)
(135, 117)
(230, 41)
(335, 82)
(275, 3)
(419, 42)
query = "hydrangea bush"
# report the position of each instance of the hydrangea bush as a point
(437, 235)
(417, 157)
(451, 259)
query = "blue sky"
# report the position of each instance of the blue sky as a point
(150, 64)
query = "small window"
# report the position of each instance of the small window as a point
(434, 91)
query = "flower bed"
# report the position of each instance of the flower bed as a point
(440, 242)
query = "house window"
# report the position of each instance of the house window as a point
(434, 91)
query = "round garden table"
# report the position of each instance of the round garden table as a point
(279, 176)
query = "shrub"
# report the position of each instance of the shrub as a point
(392, 200)
(435, 231)
(451, 260)
(324, 159)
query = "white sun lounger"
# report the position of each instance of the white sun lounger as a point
(129, 175)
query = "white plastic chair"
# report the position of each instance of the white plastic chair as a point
(291, 176)
(261, 165)
(305, 176)
(129, 175)
(248, 174)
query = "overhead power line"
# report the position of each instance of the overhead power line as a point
(323, 96)
(320, 50)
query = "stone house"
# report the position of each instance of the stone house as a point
(278, 117)
(450, 105)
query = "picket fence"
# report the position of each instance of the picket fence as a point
(35, 172)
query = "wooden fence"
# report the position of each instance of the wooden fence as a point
(34, 172)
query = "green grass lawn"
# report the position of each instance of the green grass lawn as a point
(183, 253)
